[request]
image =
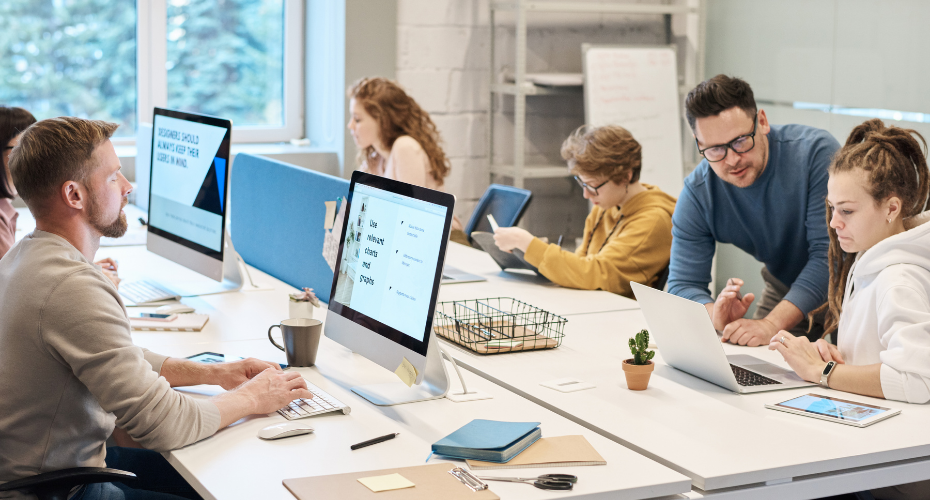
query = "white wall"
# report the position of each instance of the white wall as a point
(443, 62)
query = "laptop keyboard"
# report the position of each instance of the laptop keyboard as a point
(321, 403)
(747, 378)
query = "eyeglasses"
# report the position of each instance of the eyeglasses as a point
(590, 188)
(742, 144)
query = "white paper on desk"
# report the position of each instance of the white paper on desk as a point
(331, 236)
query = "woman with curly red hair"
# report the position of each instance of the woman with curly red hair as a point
(395, 137)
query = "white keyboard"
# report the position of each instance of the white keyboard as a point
(143, 292)
(321, 403)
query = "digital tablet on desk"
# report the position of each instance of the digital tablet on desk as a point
(835, 410)
(505, 260)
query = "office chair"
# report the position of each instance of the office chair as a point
(505, 203)
(661, 279)
(56, 485)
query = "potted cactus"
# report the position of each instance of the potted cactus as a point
(638, 368)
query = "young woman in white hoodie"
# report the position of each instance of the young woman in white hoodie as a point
(878, 301)
(879, 297)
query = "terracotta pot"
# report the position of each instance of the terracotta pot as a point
(637, 376)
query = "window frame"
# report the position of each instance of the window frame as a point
(152, 76)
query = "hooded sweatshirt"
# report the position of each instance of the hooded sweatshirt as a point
(621, 244)
(886, 314)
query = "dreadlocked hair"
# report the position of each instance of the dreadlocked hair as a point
(896, 165)
(398, 114)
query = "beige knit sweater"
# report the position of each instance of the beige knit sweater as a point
(69, 370)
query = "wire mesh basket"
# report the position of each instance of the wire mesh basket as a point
(497, 325)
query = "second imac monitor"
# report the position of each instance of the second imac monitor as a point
(187, 201)
(387, 280)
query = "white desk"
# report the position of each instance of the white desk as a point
(533, 290)
(236, 464)
(729, 444)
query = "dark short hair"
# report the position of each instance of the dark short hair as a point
(720, 93)
(13, 121)
(52, 152)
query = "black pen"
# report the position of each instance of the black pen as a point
(374, 441)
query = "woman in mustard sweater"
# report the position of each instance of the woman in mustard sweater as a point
(627, 235)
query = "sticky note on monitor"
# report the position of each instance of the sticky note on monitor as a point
(407, 372)
(330, 216)
(386, 483)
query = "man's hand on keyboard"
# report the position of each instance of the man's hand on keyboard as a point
(235, 373)
(267, 392)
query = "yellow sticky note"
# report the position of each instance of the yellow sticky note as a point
(407, 372)
(330, 214)
(386, 483)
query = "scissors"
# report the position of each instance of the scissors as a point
(543, 482)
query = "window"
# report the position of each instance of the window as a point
(237, 59)
(74, 57)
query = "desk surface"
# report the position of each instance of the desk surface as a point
(531, 289)
(718, 438)
(236, 464)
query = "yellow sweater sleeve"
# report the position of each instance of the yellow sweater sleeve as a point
(638, 253)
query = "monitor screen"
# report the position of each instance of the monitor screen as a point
(389, 261)
(187, 201)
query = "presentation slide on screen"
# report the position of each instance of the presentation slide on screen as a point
(840, 409)
(188, 181)
(389, 258)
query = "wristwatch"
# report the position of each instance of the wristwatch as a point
(825, 376)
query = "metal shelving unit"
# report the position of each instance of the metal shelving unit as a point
(520, 89)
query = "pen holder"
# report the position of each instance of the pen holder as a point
(300, 309)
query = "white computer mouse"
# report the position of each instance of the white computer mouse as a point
(284, 429)
(178, 308)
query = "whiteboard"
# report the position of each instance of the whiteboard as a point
(637, 88)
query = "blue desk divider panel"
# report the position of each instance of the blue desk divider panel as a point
(277, 219)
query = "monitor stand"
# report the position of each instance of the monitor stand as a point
(232, 276)
(435, 383)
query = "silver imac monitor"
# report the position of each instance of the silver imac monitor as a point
(188, 197)
(389, 268)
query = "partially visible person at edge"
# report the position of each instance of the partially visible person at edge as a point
(760, 187)
(13, 122)
(627, 235)
(396, 138)
(879, 294)
(69, 371)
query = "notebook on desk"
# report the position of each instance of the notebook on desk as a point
(430, 482)
(559, 451)
(183, 323)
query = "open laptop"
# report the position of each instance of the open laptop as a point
(452, 275)
(688, 341)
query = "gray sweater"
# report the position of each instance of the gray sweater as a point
(69, 370)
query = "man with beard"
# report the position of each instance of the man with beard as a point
(762, 188)
(69, 372)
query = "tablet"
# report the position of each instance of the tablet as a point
(835, 410)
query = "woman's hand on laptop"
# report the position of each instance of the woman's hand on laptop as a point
(508, 238)
(806, 359)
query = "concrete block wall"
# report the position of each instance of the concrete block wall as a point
(443, 62)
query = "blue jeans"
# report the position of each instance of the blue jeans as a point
(157, 479)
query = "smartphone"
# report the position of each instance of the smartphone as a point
(155, 316)
(215, 357)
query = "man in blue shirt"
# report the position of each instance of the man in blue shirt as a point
(760, 187)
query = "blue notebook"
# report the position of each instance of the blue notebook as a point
(489, 440)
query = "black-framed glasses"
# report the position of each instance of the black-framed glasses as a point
(8, 147)
(742, 144)
(590, 188)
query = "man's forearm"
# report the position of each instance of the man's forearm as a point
(183, 373)
(785, 315)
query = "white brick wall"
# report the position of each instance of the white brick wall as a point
(442, 61)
